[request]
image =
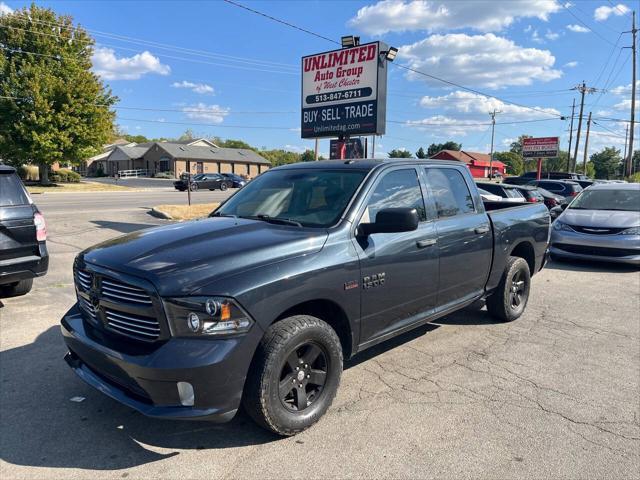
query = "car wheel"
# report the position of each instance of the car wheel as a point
(16, 289)
(223, 186)
(194, 187)
(294, 375)
(509, 300)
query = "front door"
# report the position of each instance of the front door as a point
(465, 241)
(199, 167)
(399, 271)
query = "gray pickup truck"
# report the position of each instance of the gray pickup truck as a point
(305, 266)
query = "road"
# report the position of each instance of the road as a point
(551, 395)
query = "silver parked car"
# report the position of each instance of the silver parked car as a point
(602, 223)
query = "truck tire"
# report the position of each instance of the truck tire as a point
(16, 289)
(294, 375)
(509, 299)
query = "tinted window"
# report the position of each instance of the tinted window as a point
(397, 189)
(513, 193)
(552, 187)
(315, 198)
(449, 191)
(12, 191)
(493, 188)
(623, 200)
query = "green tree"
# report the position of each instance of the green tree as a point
(421, 153)
(235, 144)
(399, 153)
(605, 162)
(54, 108)
(308, 156)
(591, 170)
(436, 147)
(280, 157)
(513, 161)
(516, 146)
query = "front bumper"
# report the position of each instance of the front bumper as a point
(144, 377)
(603, 248)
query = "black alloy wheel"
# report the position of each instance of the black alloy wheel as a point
(194, 187)
(223, 186)
(303, 376)
(516, 295)
(508, 301)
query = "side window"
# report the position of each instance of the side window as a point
(449, 191)
(397, 189)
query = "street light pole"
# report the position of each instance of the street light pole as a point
(493, 129)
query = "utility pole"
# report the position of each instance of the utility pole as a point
(586, 146)
(573, 108)
(634, 31)
(582, 89)
(626, 138)
(493, 129)
(315, 152)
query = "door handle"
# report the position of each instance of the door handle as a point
(480, 230)
(426, 243)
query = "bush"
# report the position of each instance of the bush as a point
(164, 175)
(55, 177)
(67, 176)
(635, 178)
(29, 173)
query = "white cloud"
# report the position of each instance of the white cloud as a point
(441, 125)
(482, 60)
(210, 113)
(472, 103)
(624, 104)
(438, 15)
(535, 37)
(5, 9)
(194, 87)
(602, 13)
(551, 35)
(294, 148)
(624, 89)
(572, 64)
(577, 28)
(110, 67)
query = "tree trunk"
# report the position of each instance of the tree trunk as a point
(43, 172)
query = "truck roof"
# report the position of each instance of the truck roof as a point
(365, 163)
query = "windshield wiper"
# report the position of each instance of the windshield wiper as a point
(275, 220)
(218, 214)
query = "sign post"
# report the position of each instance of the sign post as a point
(543, 147)
(344, 92)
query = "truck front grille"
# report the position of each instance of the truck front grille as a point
(119, 292)
(112, 302)
(133, 325)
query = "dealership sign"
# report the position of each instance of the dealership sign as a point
(544, 147)
(344, 92)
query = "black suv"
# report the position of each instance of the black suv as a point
(23, 235)
(567, 188)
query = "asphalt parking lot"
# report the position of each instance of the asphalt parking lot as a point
(554, 394)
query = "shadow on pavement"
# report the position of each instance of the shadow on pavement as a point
(589, 266)
(122, 227)
(41, 427)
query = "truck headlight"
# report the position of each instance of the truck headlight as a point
(631, 231)
(557, 225)
(200, 316)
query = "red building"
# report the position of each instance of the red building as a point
(478, 163)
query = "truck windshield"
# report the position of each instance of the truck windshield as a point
(312, 198)
(625, 200)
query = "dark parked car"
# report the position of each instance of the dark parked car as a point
(566, 188)
(23, 235)
(556, 175)
(204, 181)
(509, 193)
(551, 199)
(236, 180)
(583, 183)
(302, 268)
(603, 223)
(531, 194)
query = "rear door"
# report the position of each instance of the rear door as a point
(399, 271)
(465, 242)
(17, 230)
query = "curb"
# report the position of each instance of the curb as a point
(160, 214)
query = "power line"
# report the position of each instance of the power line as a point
(566, 6)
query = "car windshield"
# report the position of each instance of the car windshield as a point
(609, 199)
(311, 198)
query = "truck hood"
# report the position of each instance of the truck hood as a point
(183, 257)
(601, 218)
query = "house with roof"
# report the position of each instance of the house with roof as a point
(177, 157)
(478, 163)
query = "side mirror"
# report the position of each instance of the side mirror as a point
(391, 220)
(564, 206)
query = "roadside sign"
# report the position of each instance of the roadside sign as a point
(351, 148)
(344, 92)
(543, 147)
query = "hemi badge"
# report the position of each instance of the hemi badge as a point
(351, 285)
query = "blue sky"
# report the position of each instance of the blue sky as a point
(231, 69)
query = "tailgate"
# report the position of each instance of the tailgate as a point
(17, 232)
